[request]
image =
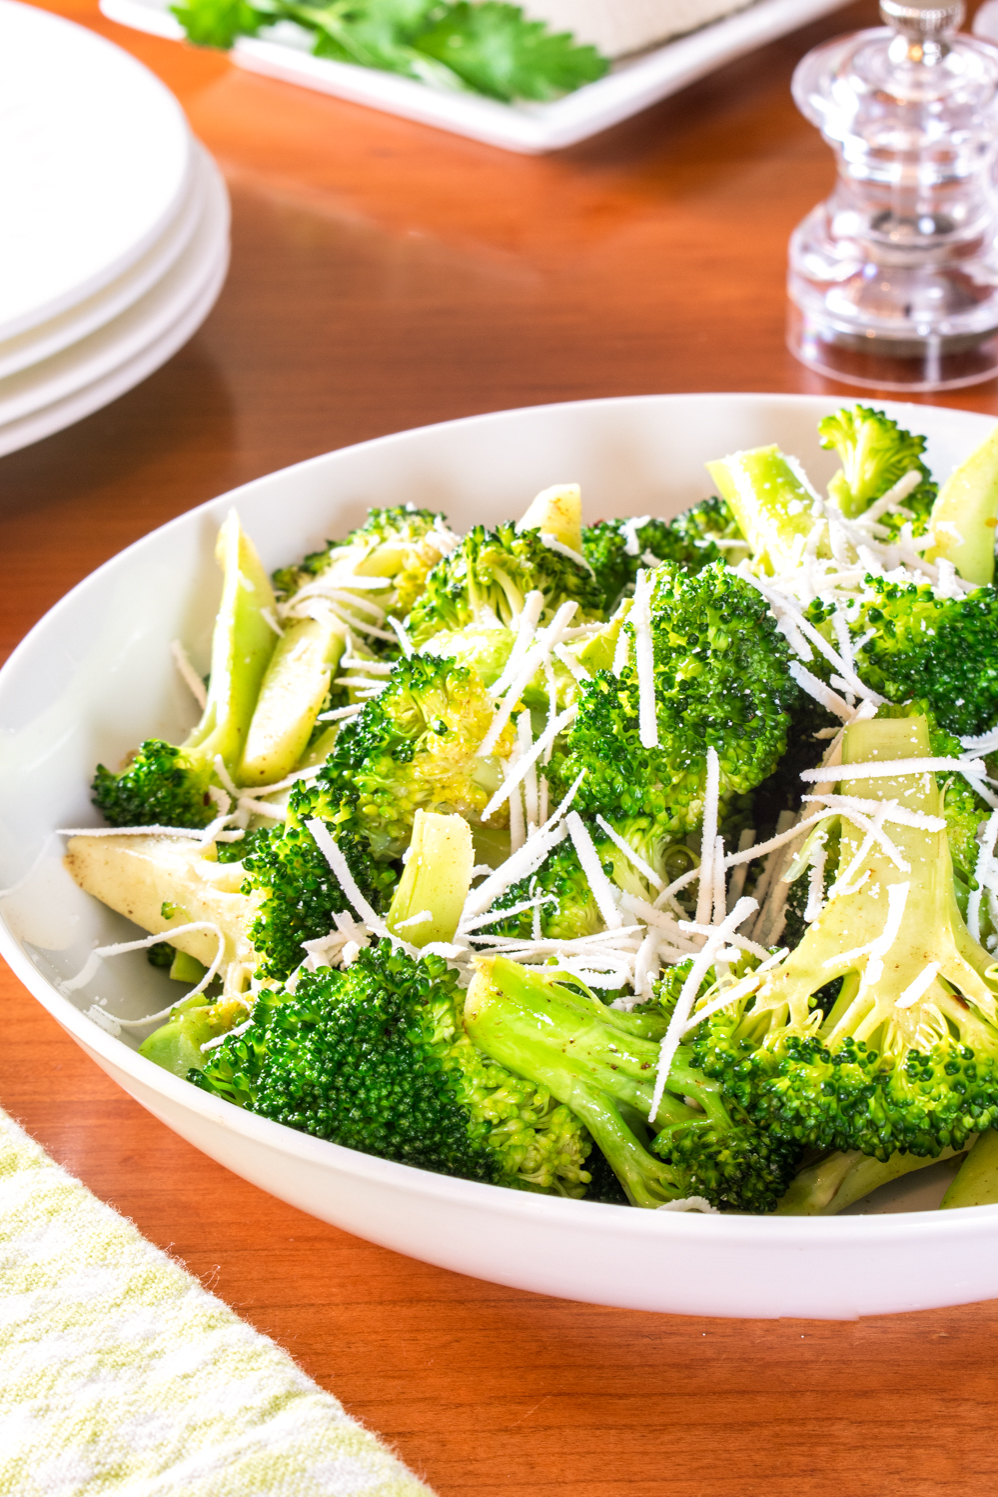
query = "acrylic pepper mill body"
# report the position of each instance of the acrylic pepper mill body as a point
(893, 281)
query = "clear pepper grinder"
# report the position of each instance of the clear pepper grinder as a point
(893, 281)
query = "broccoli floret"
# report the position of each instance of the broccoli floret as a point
(721, 680)
(905, 1057)
(168, 785)
(943, 651)
(617, 550)
(414, 746)
(401, 543)
(712, 521)
(570, 911)
(601, 1063)
(875, 453)
(375, 1058)
(483, 584)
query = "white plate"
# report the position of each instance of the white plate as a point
(96, 311)
(143, 324)
(529, 128)
(94, 161)
(95, 676)
(134, 369)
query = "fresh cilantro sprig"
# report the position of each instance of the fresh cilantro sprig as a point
(489, 48)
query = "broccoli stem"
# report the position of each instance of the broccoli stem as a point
(770, 501)
(569, 1043)
(242, 645)
(965, 515)
(435, 881)
(976, 1183)
(830, 1185)
(292, 692)
(557, 512)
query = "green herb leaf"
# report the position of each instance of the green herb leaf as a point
(495, 49)
(217, 23)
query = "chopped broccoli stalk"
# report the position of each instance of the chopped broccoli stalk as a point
(177, 1044)
(722, 681)
(965, 515)
(375, 1058)
(294, 688)
(168, 785)
(186, 968)
(976, 1183)
(905, 1057)
(830, 1185)
(602, 1064)
(165, 882)
(431, 893)
(771, 500)
(618, 549)
(483, 584)
(937, 650)
(875, 454)
(556, 512)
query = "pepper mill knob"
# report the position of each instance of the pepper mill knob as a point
(893, 281)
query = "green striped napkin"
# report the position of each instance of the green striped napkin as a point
(120, 1374)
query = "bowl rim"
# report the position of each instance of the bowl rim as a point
(526, 1206)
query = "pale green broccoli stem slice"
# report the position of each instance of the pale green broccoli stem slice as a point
(176, 1046)
(557, 512)
(965, 515)
(242, 645)
(830, 1185)
(930, 929)
(976, 1183)
(187, 968)
(294, 687)
(435, 880)
(771, 501)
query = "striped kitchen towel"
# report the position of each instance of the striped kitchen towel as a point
(120, 1374)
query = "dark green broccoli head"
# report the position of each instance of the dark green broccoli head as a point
(875, 453)
(943, 651)
(710, 521)
(721, 681)
(618, 549)
(375, 1058)
(299, 893)
(484, 582)
(162, 786)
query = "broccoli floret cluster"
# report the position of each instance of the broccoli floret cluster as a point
(485, 581)
(602, 1063)
(876, 453)
(722, 681)
(375, 1058)
(618, 549)
(163, 785)
(917, 645)
(879, 1032)
(413, 747)
(401, 543)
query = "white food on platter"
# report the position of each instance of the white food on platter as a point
(618, 27)
(96, 675)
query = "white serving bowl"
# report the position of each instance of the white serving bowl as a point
(95, 677)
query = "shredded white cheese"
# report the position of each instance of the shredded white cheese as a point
(600, 885)
(188, 674)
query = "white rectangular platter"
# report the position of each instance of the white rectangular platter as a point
(528, 128)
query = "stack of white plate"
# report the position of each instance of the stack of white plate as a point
(117, 237)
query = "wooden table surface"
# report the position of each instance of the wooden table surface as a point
(385, 275)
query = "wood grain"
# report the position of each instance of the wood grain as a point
(385, 275)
